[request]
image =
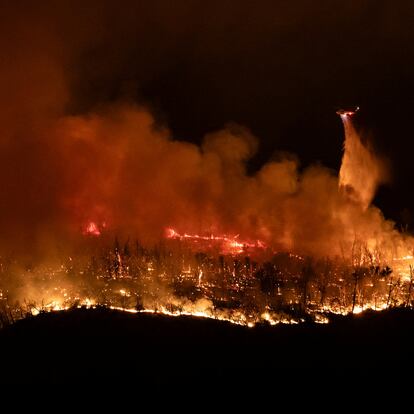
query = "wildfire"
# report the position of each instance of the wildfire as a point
(228, 277)
(220, 284)
(227, 288)
(235, 318)
(91, 229)
(228, 244)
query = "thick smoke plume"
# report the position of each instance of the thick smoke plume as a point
(125, 172)
(115, 166)
(361, 170)
(93, 182)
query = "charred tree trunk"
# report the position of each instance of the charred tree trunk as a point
(305, 295)
(390, 293)
(355, 288)
(323, 294)
(410, 287)
(307, 273)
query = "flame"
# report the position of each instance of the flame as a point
(91, 229)
(229, 244)
(226, 282)
(220, 288)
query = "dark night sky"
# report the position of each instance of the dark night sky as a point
(279, 68)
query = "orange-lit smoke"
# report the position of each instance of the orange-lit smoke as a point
(116, 165)
(361, 170)
(123, 169)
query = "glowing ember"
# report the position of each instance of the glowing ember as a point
(92, 229)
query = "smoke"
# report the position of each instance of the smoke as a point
(116, 166)
(361, 171)
(121, 170)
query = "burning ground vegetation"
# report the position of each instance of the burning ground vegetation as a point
(316, 247)
(198, 276)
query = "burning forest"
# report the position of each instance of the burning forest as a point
(194, 235)
(105, 202)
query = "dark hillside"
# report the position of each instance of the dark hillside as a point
(110, 346)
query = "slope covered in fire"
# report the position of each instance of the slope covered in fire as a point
(276, 246)
(103, 204)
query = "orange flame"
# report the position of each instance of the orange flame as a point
(91, 229)
(229, 245)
